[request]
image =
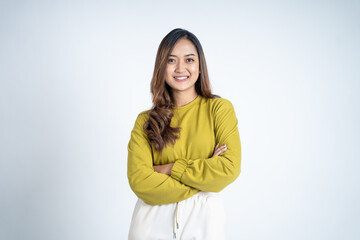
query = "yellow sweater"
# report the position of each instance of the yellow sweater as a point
(204, 123)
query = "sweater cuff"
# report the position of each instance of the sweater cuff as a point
(178, 169)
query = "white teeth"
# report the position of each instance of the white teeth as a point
(180, 78)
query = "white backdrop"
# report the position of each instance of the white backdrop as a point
(75, 74)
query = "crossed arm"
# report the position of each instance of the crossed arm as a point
(166, 168)
(182, 179)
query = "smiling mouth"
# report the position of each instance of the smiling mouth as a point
(181, 78)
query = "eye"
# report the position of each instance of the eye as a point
(171, 60)
(190, 60)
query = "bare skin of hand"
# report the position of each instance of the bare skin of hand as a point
(166, 168)
(219, 149)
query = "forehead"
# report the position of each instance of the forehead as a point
(183, 46)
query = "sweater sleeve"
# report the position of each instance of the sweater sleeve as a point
(152, 187)
(215, 173)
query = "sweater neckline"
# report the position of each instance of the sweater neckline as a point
(188, 105)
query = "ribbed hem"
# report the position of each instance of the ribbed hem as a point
(178, 169)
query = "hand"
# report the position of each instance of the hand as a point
(219, 150)
(164, 169)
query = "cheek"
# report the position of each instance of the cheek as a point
(169, 70)
(167, 73)
(194, 69)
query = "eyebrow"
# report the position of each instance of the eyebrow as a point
(187, 55)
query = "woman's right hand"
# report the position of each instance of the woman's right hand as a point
(219, 149)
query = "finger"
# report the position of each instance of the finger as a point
(216, 153)
(224, 145)
(219, 151)
(222, 150)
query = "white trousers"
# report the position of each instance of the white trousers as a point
(200, 217)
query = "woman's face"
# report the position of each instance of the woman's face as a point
(182, 69)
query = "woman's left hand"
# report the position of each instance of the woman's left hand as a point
(164, 169)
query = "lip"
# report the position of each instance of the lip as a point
(181, 76)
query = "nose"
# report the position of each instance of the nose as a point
(180, 67)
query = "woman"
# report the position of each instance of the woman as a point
(182, 151)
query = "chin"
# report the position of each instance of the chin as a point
(184, 89)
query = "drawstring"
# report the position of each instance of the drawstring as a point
(176, 219)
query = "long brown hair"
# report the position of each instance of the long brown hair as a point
(157, 127)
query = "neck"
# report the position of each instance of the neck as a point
(181, 98)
